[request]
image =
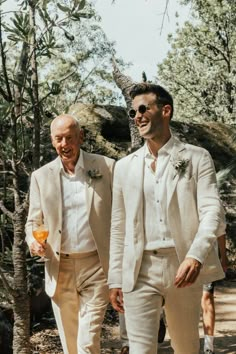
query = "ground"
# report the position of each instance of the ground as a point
(46, 341)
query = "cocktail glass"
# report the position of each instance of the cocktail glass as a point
(40, 233)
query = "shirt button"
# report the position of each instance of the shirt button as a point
(158, 201)
(160, 220)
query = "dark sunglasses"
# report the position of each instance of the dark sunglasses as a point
(141, 109)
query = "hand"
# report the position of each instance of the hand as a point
(37, 249)
(187, 273)
(116, 299)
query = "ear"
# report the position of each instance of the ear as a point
(81, 136)
(166, 111)
(52, 141)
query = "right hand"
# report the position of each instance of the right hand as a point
(116, 299)
(37, 249)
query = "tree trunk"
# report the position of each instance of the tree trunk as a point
(125, 83)
(34, 87)
(21, 304)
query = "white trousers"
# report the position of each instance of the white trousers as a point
(123, 331)
(143, 306)
(80, 302)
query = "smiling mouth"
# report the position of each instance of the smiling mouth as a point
(143, 124)
(65, 152)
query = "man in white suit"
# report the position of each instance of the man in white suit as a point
(72, 194)
(165, 215)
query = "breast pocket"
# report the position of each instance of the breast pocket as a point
(186, 189)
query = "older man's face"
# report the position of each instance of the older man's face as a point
(67, 139)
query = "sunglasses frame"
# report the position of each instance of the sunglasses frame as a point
(144, 108)
(141, 109)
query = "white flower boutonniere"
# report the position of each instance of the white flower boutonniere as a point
(94, 174)
(180, 165)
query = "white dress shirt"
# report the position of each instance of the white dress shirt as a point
(157, 232)
(76, 232)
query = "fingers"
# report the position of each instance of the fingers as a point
(116, 299)
(187, 273)
(37, 249)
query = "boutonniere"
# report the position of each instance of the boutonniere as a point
(180, 165)
(94, 174)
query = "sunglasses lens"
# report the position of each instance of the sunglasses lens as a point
(142, 109)
(132, 113)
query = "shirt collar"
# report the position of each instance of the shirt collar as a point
(79, 164)
(165, 149)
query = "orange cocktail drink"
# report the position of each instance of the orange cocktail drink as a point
(40, 234)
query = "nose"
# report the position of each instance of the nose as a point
(63, 141)
(138, 117)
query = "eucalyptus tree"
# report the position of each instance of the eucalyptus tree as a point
(29, 43)
(82, 66)
(125, 83)
(200, 68)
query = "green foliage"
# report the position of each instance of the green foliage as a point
(20, 29)
(200, 67)
(72, 62)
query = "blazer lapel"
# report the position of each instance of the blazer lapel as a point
(55, 170)
(90, 182)
(138, 166)
(55, 183)
(173, 175)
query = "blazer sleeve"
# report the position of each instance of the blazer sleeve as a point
(209, 209)
(117, 231)
(35, 212)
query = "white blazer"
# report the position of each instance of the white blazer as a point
(193, 210)
(46, 202)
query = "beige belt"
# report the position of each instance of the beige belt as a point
(78, 255)
(160, 251)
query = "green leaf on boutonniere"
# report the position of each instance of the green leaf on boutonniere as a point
(94, 174)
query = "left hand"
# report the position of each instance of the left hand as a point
(187, 273)
(116, 299)
(37, 249)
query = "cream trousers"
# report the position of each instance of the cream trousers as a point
(143, 306)
(80, 302)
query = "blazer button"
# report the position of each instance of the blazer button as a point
(57, 253)
(59, 231)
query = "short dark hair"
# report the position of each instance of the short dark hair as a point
(162, 95)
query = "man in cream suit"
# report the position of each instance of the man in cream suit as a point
(165, 215)
(72, 194)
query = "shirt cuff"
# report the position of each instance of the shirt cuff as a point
(194, 257)
(114, 286)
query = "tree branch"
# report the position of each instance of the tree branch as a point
(6, 284)
(82, 84)
(164, 15)
(189, 91)
(8, 96)
(5, 210)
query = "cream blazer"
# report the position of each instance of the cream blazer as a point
(193, 210)
(46, 203)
